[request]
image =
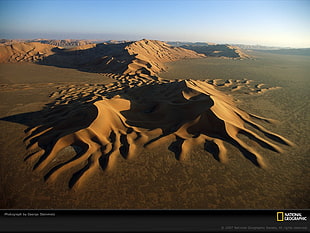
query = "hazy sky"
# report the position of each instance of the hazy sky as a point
(265, 22)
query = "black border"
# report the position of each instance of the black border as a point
(29, 220)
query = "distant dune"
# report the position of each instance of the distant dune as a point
(145, 56)
(216, 50)
(97, 123)
(24, 52)
(151, 55)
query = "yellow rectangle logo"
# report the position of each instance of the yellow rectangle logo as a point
(280, 216)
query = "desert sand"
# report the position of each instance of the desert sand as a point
(104, 130)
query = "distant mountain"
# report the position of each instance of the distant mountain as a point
(179, 43)
(115, 41)
(8, 41)
(59, 43)
(258, 47)
(277, 50)
(63, 43)
(241, 46)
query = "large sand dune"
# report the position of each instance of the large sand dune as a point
(99, 127)
(145, 56)
(87, 127)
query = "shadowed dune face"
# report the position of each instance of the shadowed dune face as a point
(94, 131)
(91, 58)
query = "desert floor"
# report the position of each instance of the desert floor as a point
(155, 179)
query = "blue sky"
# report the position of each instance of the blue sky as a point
(265, 22)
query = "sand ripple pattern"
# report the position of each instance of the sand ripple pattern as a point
(88, 126)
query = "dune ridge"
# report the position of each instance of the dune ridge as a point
(87, 127)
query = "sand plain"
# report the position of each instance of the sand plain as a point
(288, 104)
(157, 178)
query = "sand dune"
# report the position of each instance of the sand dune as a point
(87, 127)
(98, 123)
(239, 51)
(217, 50)
(145, 56)
(25, 52)
(154, 54)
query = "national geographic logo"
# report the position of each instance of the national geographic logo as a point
(284, 216)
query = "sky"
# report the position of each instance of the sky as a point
(283, 23)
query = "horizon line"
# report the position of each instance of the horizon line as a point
(181, 41)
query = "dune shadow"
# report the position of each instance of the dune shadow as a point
(95, 59)
(176, 147)
(213, 149)
(54, 122)
(28, 119)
